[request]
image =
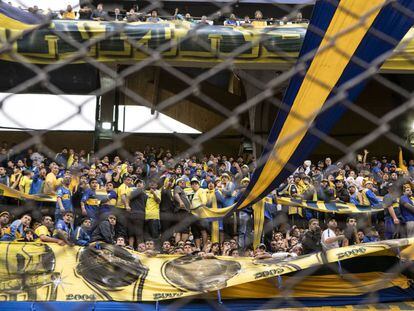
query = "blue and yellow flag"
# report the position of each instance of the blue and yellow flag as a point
(347, 41)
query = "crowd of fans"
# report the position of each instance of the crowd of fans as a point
(86, 12)
(146, 202)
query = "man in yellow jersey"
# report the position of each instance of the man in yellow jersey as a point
(43, 231)
(51, 181)
(122, 204)
(25, 182)
(152, 211)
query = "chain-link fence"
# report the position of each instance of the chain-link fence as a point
(214, 79)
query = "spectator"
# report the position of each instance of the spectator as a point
(17, 228)
(105, 230)
(137, 203)
(246, 22)
(407, 210)
(204, 21)
(81, 234)
(99, 14)
(85, 13)
(108, 203)
(342, 194)
(329, 239)
(311, 241)
(132, 16)
(351, 234)
(393, 219)
(51, 182)
(64, 227)
(231, 21)
(152, 211)
(368, 196)
(63, 199)
(4, 179)
(15, 177)
(4, 222)
(154, 17)
(199, 199)
(43, 231)
(69, 14)
(183, 215)
(258, 20)
(89, 202)
(371, 235)
(167, 210)
(118, 16)
(25, 181)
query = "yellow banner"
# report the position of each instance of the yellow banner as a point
(48, 272)
(180, 43)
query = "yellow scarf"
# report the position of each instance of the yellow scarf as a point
(258, 218)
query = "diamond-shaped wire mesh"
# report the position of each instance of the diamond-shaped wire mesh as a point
(231, 101)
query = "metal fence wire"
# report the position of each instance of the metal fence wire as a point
(224, 76)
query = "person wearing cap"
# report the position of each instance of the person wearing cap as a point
(81, 234)
(368, 197)
(329, 239)
(199, 200)
(342, 194)
(4, 221)
(240, 172)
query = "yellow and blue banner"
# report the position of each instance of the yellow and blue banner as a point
(181, 43)
(349, 41)
(104, 272)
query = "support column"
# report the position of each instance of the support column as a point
(261, 116)
(106, 117)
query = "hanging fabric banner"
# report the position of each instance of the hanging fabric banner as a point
(103, 272)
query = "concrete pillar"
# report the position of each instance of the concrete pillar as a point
(261, 116)
(106, 117)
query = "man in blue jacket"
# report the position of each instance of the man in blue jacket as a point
(81, 234)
